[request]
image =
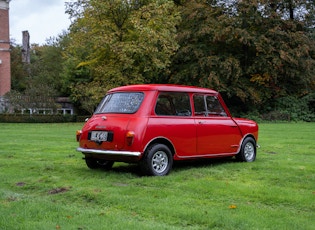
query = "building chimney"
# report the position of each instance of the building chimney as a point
(5, 62)
(26, 57)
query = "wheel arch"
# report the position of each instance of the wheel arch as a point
(249, 135)
(161, 140)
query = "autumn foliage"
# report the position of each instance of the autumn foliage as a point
(254, 52)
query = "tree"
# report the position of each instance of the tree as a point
(37, 95)
(249, 50)
(18, 73)
(36, 84)
(211, 52)
(119, 42)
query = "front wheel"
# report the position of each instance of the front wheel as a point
(158, 160)
(93, 163)
(248, 150)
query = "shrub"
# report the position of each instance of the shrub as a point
(38, 118)
(298, 109)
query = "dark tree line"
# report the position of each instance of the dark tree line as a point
(259, 54)
(252, 51)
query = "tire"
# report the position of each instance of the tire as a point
(158, 160)
(248, 150)
(93, 163)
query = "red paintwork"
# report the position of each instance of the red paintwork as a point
(187, 136)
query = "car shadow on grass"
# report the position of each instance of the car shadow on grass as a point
(178, 166)
(201, 163)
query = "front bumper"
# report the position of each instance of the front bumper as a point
(109, 152)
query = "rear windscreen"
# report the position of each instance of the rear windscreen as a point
(128, 102)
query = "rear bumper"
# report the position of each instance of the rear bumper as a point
(109, 152)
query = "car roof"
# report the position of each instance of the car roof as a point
(163, 87)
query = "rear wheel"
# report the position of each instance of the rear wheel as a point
(248, 150)
(158, 160)
(93, 163)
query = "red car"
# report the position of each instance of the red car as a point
(153, 125)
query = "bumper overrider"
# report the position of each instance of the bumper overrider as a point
(109, 152)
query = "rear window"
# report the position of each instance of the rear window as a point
(128, 102)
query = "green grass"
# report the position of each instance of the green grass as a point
(45, 184)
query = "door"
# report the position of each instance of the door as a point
(217, 133)
(173, 121)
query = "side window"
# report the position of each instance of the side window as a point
(173, 104)
(200, 106)
(214, 107)
(208, 106)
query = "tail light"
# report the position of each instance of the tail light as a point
(78, 134)
(129, 137)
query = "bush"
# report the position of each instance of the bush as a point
(27, 118)
(276, 116)
(288, 108)
(298, 109)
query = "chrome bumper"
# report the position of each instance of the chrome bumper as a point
(109, 152)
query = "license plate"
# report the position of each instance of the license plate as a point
(99, 136)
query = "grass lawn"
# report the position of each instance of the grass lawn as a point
(45, 184)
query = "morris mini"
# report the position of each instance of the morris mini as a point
(155, 124)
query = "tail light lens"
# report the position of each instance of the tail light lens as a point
(130, 137)
(78, 134)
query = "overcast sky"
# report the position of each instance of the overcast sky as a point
(42, 19)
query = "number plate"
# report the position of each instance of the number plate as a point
(99, 136)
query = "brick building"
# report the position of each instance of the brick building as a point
(5, 69)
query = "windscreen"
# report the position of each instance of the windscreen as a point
(126, 102)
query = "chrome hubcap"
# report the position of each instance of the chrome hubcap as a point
(159, 161)
(249, 151)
